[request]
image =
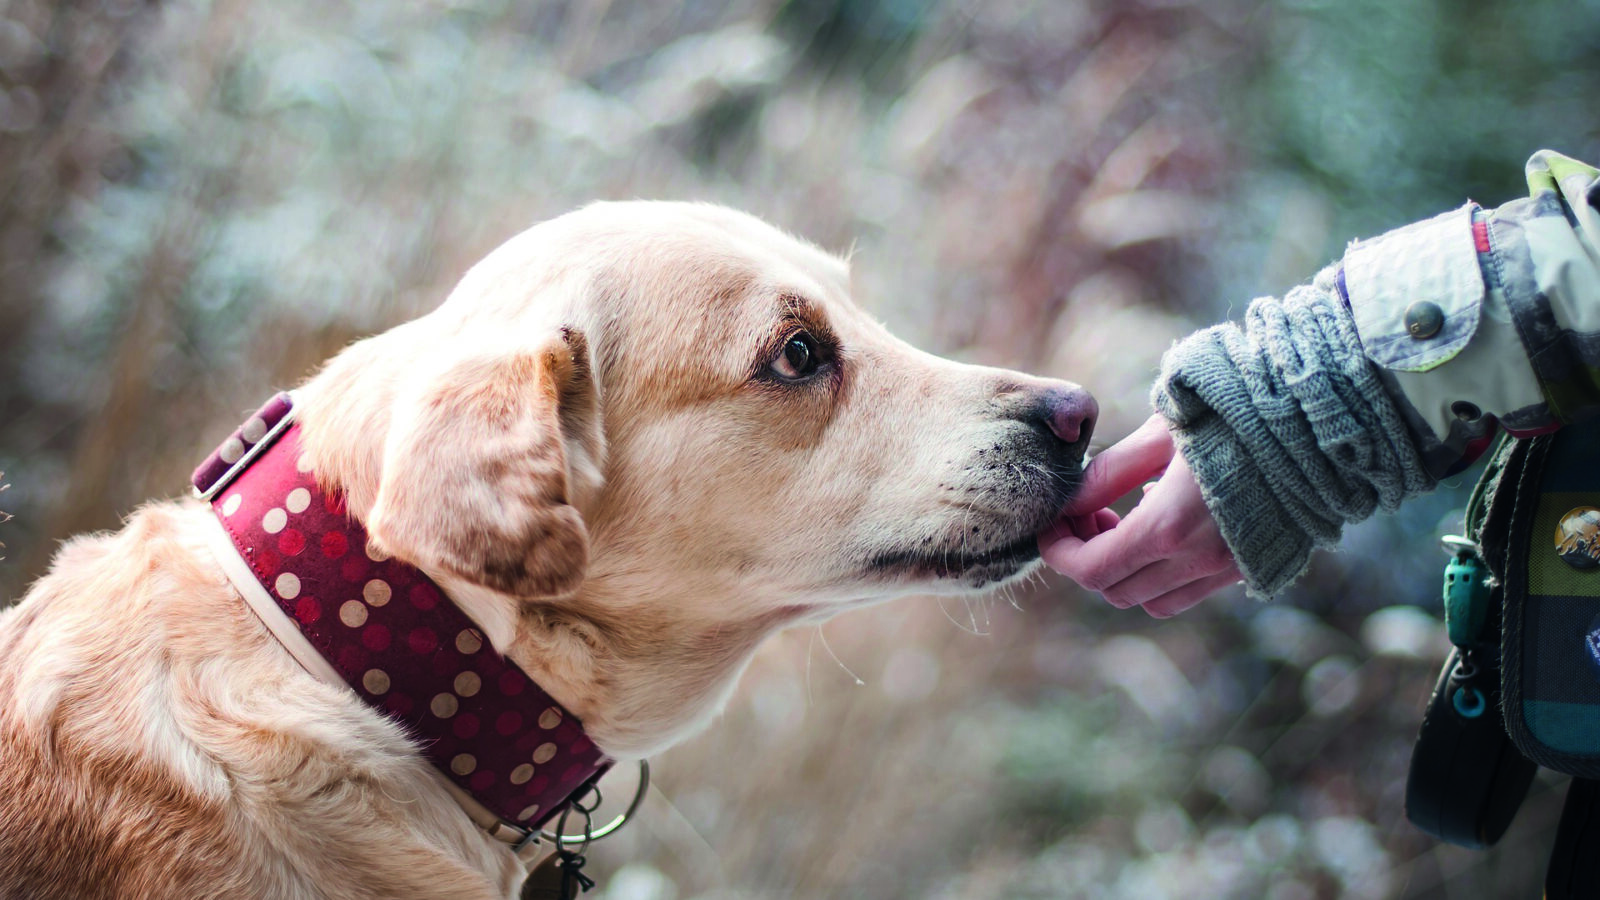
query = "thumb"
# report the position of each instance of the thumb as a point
(1123, 466)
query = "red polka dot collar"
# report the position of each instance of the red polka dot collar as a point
(352, 616)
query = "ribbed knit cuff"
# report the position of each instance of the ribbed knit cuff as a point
(1289, 429)
(1271, 549)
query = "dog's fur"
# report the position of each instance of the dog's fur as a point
(588, 446)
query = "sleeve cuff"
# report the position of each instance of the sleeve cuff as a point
(1271, 549)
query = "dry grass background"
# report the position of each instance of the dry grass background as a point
(203, 200)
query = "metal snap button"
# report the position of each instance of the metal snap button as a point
(1578, 537)
(1424, 319)
(1466, 411)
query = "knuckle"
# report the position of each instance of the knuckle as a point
(1127, 596)
(1198, 565)
(1095, 580)
(1116, 598)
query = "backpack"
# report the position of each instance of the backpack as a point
(1521, 688)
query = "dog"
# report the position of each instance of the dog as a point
(635, 441)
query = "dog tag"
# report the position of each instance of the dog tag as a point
(548, 882)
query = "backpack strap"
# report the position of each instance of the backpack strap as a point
(1572, 873)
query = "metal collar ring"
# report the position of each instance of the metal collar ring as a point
(568, 840)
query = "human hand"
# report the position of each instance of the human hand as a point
(1166, 555)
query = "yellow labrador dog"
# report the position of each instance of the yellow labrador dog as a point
(634, 442)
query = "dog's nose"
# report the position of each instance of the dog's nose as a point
(1071, 413)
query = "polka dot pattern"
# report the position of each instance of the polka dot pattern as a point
(241, 442)
(398, 643)
(307, 611)
(334, 545)
(375, 682)
(422, 641)
(353, 613)
(376, 592)
(253, 430)
(444, 705)
(291, 543)
(287, 584)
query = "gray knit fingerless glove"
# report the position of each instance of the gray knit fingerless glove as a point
(1289, 430)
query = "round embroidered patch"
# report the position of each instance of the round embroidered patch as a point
(1578, 537)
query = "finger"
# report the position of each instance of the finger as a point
(1060, 530)
(1081, 528)
(1123, 466)
(1169, 574)
(1057, 543)
(1170, 604)
(1109, 558)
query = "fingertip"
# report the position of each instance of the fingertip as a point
(1123, 466)
(1155, 429)
(1056, 549)
(1055, 531)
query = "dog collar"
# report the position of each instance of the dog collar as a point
(351, 615)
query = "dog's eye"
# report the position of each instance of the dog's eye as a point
(799, 359)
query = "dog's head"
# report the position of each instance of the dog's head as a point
(643, 424)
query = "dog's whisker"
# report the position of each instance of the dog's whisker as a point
(954, 621)
(1008, 593)
(972, 617)
(825, 646)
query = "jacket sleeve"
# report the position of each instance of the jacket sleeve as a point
(1481, 318)
(1391, 369)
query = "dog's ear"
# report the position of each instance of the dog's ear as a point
(479, 464)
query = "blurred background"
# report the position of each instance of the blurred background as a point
(201, 201)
